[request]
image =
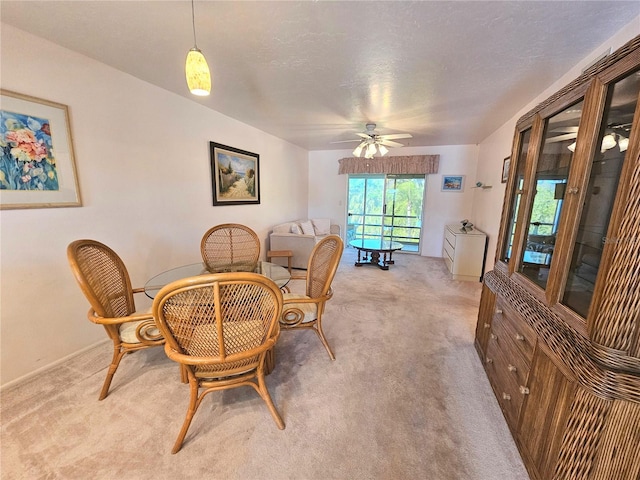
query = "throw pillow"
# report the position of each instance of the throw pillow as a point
(295, 228)
(322, 226)
(307, 228)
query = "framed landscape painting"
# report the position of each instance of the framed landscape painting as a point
(235, 175)
(37, 164)
(452, 183)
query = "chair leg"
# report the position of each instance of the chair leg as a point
(264, 393)
(117, 356)
(193, 406)
(323, 339)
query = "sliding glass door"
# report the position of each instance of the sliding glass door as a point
(387, 207)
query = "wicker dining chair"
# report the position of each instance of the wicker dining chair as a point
(220, 327)
(104, 280)
(230, 247)
(305, 311)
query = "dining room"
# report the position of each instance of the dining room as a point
(145, 188)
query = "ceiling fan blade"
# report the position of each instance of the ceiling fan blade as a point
(348, 141)
(395, 136)
(561, 138)
(565, 130)
(389, 143)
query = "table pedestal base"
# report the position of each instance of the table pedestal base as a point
(367, 257)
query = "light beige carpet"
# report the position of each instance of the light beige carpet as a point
(406, 398)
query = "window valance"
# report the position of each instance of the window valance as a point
(416, 164)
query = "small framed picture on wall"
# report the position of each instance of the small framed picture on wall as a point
(505, 170)
(452, 183)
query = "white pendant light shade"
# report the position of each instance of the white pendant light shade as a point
(608, 142)
(358, 150)
(572, 147)
(197, 73)
(383, 150)
(371, 150)
(623, 143)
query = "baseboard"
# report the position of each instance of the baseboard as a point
(40, 370)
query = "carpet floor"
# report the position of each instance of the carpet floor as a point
(406, 398)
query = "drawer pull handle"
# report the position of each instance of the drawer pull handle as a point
(487, 325)
(506, 396)
(498, 311)
(494, 336)
(519, 337)
(512, 368)
(489, 360)
(524, 390)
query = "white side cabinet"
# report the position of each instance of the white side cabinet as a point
(463, 252)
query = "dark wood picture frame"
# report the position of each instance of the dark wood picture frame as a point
(235, 175)
(505, 170)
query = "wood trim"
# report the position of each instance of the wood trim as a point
(579, 178)
(508, 200)
(533, 154)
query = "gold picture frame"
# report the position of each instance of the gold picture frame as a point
(37, 161)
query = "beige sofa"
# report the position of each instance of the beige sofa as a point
(286, 237)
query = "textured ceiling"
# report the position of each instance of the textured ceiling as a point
(316, 72)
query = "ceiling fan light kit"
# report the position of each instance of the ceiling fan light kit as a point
(372, 142)
(196, 68)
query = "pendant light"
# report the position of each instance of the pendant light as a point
(196, 68)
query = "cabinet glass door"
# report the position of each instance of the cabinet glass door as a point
(551, 175)
(517, 194)
(606, 165)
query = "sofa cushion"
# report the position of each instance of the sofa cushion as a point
(321, 226)
(295, 228)
(283, 228)
(307, 228)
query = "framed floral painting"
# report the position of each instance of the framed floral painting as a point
(235, 175)
(37, 164)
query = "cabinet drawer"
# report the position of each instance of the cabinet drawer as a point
(449, 237)
(514, 364)
(448, 249)
(521, 334)
(503, 382)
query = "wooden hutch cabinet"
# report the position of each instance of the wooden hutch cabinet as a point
(559, 321)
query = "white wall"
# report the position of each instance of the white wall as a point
(328, 190)
(142, 157)
(487, 204)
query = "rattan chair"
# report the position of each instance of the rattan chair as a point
(220, 327)
(305, 311)
(105, 282)
(230, 247)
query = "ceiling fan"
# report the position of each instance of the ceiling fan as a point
(372, 142)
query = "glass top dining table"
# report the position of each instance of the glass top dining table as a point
(279, 274)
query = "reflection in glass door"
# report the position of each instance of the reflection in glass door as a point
(387, 207)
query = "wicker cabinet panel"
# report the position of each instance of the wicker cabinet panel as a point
(544, 415)
(620, 443)
(602, 436)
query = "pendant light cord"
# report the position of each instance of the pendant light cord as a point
(193, 22)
